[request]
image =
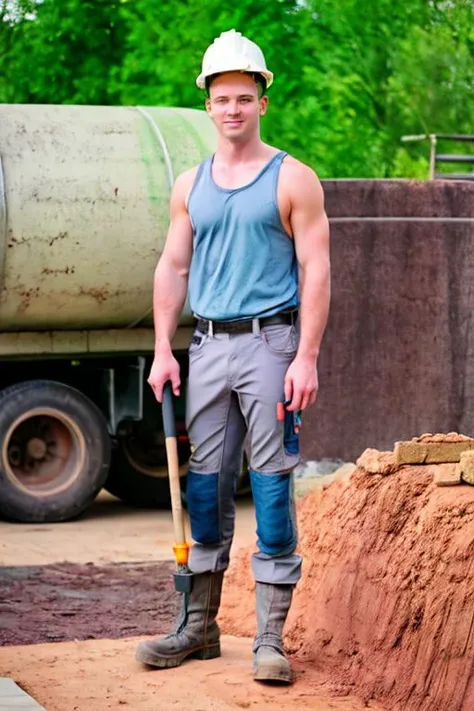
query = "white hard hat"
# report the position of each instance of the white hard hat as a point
(232, 52)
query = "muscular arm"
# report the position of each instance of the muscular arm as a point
(170, 286)
(171, 274)
(310, 229)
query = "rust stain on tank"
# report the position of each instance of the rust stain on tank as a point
(57, 272)
(18, 241)
(61, 235)
(27, 296)
(102, 294)
(99, 294)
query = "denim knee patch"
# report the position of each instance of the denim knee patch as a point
(202, 494)
(273, 508)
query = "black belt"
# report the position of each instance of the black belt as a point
(246, 325)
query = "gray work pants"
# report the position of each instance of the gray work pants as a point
(235, 383)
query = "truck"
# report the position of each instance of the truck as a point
(84, 211)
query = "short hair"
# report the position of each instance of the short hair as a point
(259, 79)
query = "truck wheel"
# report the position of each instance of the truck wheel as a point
(54, 451)
(139, 473)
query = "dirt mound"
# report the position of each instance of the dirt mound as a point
(386, 603)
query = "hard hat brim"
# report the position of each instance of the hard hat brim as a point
(268, 76)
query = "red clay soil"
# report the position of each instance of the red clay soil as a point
(386, 603)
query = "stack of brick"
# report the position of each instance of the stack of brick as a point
(449, 456)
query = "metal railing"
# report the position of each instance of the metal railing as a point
(436, 157)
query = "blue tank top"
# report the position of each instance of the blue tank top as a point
(244, 263)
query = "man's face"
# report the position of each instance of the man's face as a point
(234, 106)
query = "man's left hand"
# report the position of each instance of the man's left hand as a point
(301, 383)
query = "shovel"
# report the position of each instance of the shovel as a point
(182, 575)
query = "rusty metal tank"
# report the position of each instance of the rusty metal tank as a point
(84, 210)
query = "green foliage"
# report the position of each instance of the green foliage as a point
(61, 52)
(350, 79)
(405, 165)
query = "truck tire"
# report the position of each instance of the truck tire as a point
(139, 472)
(54, 451)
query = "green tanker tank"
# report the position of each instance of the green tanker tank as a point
(84, 209)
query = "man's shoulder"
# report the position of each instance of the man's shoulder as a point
(296, 169)
(299, 182)
(187, 176)
(184, 184)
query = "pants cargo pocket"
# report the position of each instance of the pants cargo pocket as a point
(291, 438)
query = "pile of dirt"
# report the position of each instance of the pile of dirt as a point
(385, 607)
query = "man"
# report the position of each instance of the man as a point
(249, 238)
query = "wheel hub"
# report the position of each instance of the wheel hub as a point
(36, 448)
(44, 452)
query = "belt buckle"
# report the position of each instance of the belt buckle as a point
(293, 314)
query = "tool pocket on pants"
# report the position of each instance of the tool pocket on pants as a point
(291, 438)
(197, 342)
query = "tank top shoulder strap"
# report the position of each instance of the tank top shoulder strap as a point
(278, 158)
(274, 163)
(202, 174)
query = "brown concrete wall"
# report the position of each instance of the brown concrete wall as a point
(398, 354)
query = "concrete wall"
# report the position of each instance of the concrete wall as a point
(398, 354)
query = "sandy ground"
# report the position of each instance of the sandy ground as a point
(111, 532)
(97, 675)
(108, 532)
(102, 675)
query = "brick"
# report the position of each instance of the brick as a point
(375, 462)
(446, 474)
(430, 452)
(442, 437)
(466, 465)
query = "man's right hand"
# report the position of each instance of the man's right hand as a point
(165, 367)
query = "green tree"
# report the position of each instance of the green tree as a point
(347, 76)
(349, 83)
(60, 52)
(432, 83)
(166, 42)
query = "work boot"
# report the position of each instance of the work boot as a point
(197, 634)
(270, 663)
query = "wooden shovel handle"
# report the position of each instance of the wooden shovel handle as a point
(173, 464)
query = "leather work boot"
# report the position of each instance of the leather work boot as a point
(273, 604)
(197, 634)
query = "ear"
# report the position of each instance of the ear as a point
(208, 106)
(263, 105)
